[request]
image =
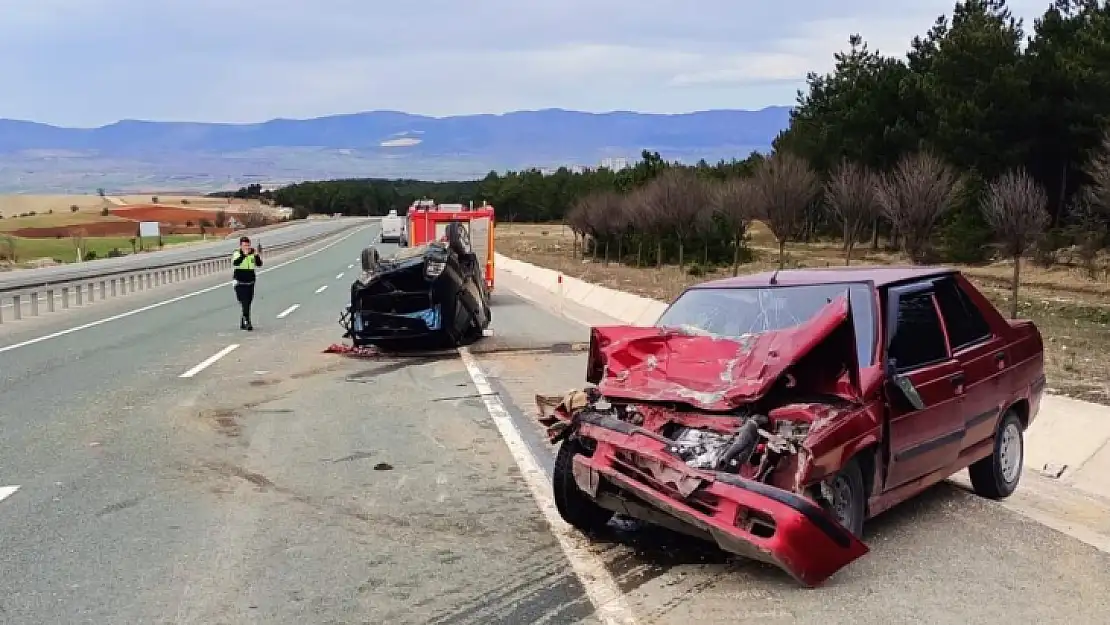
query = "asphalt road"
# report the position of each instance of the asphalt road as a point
(278, 484)
(295, 231)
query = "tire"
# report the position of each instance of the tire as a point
(997, 475)
(573, 505)
(848, 504)
(455, 238)
(370, 258)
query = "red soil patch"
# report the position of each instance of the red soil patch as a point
(110, 229)
(166, 214)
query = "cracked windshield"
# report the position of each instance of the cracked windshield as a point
(578, 313)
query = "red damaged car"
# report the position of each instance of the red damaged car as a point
(774, 413)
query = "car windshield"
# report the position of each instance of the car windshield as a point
(754, 310)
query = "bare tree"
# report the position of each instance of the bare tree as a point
(851, 198)
(1092, 205)
(640, 219)
(920, 190)
(255, 218)
(735, 201)
(677, 198)
(786, 186)
(591, 216)
(77, 235)
(1016, 210)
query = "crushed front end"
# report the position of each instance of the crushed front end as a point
(704, 436)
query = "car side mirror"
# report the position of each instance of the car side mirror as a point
(904, 386)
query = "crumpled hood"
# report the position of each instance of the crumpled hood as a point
(708, 372)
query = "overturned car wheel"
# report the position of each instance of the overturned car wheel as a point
(370, 259)
(575, 506)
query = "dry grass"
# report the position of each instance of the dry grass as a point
(1071, 311)
(56, 219)
(191, 201)
(17, 204)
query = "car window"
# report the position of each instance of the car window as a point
(754, 310)
(962, 318)
(918, 336)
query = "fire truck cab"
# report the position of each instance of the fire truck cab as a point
(427, 222)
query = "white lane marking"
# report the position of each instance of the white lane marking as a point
(322, 289)
(7, 491)
(285, 313)
(92, 324)
(208, 362)
(610, 603)
(350, 266)
(338, 276)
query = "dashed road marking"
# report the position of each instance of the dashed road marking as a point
(338, 276)
(172, 300)
(208, 362)
(7, 491)
(350, 266)
(322, 289)
(285, 313)
(610, 603)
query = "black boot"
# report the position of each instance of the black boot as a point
(242, 323)
(250, 328)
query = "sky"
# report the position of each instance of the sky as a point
(91, 62)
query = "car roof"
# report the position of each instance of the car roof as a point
(881, 276)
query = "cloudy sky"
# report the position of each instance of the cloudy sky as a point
(91, 62)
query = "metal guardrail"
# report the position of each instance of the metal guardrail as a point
(35, 295)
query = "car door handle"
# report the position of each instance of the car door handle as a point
(958, 379)
(1000, 358)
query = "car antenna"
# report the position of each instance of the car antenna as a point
(775, 277)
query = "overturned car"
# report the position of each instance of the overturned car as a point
(432, 295)
(773, 416)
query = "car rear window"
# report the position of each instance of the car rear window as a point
(755, 310)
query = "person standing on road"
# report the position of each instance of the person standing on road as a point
(245, 259)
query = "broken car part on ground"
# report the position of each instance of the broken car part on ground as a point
(773, 416)
(432, 295)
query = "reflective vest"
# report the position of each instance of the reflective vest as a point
(248, 261)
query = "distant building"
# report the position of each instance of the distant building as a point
(615, 164)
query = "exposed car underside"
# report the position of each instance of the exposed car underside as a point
(734, 440)
(432, 295)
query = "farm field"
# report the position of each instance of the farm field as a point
(1072, 311)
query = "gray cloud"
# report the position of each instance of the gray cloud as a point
(93, 61)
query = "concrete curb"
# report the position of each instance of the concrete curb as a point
(1069, 441)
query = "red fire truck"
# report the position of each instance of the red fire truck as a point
(427, 221)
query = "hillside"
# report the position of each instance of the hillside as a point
(139, 154)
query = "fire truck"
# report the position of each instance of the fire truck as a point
(427, 222)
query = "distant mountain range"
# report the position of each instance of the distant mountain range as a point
(132, 154)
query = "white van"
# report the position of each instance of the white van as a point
(393, 228)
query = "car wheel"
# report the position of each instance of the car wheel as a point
(370, 258)
(997, 475)
(573, 505)
(845, 498)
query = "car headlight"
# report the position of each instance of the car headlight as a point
(433, 268)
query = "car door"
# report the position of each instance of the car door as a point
(927, 437)
(982, 356)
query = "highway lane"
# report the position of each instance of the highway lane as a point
(283, 485)
(295, 231)
(276, 485)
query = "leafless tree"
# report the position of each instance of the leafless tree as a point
(785, 187)
(735, 201)
(920, 190)
(613, 221)
(591, 216)
(1016, 210)
(851, 198)
(1092, 206)
(678, 199)
(640, 218)
(255, 218)
(77, 235)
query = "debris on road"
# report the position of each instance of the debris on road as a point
(352, 351)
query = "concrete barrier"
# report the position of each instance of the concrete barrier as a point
(1069, 440)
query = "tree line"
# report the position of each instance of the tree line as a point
(981, 139)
